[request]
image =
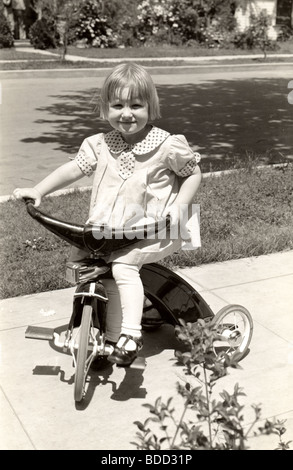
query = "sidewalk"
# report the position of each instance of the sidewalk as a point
(37, 406)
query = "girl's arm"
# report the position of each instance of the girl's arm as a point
(188, 189)
(61, 177)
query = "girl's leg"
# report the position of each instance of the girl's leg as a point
(132, 298)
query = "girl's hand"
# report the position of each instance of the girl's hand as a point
(29, 193)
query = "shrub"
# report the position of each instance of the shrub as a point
(94, 27)
(180, 22)
(285, 33)
(165, 22)
(6, 37)
(256, 35)
(43, 34)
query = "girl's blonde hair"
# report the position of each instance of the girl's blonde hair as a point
(140, 85)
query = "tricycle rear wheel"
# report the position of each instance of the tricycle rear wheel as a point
(234, 326)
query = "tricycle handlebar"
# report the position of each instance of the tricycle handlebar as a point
(93, 237)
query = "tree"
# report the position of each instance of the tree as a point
(68, 12)
(63, 14)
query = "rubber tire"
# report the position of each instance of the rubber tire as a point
(82, 353)
(242, 350)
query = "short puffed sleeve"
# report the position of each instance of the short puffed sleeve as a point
(88, 153)
(181, 158)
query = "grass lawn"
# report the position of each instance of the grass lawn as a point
(244, 213)
(171, 51)
(13, 54)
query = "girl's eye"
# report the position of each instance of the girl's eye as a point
(120, 105)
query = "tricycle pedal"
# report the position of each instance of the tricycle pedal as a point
(39, 332)
(138, 363)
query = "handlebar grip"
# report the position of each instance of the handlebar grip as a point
(28, 200)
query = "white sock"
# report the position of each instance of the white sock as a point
(132, 330)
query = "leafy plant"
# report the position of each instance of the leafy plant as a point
(43, 34)
(216, 424)
(179, 22)
(93, 26)
(6, 36)
(56, 25)
(256, 35)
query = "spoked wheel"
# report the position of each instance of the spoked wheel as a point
(234, 327)
(83, 355)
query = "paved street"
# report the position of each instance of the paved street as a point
(222, 111)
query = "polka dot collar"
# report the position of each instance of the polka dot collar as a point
(153, 139)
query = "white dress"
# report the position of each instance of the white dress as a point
(132, 182)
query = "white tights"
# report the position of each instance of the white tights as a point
(125, 305)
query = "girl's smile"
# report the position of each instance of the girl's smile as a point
(129, 115)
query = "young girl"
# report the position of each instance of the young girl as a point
(136, 165)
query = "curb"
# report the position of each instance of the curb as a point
(155, 69)
(176, 59)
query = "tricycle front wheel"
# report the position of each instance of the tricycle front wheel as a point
(83, 353)
(234, 326)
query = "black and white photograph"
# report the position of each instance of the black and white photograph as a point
(146, 199)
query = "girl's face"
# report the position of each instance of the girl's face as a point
(128, 115)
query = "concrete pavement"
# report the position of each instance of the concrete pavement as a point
(37, 407)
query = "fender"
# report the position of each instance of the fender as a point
(172, 296)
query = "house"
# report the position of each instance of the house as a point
(280, 12)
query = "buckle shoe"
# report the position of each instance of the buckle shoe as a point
(121, 356)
